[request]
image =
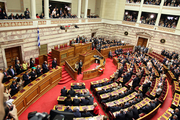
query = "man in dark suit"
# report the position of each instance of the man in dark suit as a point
(110, 54)
(54, 63)
(135, 82)
(26, 13)
(64, 91)
(84, 101)
(26, 78)
(33, 74)
(86, 113)
(80, 67)
(129, 114)
(45, 67)
(11, 71)
(1, 12)
(18, 67)
(6, 77)
(135, 112)
(68, 109)
(14, 88)
(91, 100)
(71, 92)
(121, 115)
(38, 71)
(146, 109)
(78, 39)
(145, 87)
(76, 101)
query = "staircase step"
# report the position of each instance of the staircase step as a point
(65, 74)
(64, 82)
(66, 77)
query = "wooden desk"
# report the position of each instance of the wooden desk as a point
(105, 51)
(175, 102)
(167, 114)
(81, 48)
(121, 100)
(33, 91)
(99, 117)
(176, 87)
(171, 77)
(153, 92)
(99, 81)
(106, 87)
(116, 92)
(63, 54)
(81, 108)
(61, 99)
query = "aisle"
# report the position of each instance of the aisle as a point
(48, 100)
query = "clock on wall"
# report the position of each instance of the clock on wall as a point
(162, 40)
(126, 33)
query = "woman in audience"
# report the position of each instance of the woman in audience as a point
(20, 82)
(24, 66)
(68, 101)
(7, 95)
(31, 62)
(96, 110)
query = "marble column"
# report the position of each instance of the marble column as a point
(33, 9)
(85, 8)
(140, 11)
(159, 13)
(46, 9)
(79, 9)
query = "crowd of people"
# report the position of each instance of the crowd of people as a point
(168, 23)
(147, 20)
(130, 17)
(172, 3)
(133, 1)
(152, 2)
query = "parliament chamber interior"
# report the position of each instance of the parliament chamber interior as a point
(89, 59)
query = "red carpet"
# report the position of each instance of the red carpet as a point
(165, 105)
(48, 100)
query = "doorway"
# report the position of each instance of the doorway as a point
(93, 34)
(142, 42)
(11, 54)
(88, 12)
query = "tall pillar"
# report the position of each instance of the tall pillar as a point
(85, 8)
(46, 9)
(140, 11)
(79, 9)
(33, 9)
(159, 13)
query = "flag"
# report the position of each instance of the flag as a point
(38, 39)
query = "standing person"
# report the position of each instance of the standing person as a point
(33, 74)
(96, 110)
(31, 62)
(80, 67)
(16, 59)
(1, 13)
(11, 71)
(26, 13)
(18, 67)
(54, 63)
(14, 88)
(38, 70)
(26, 78)
(6, 77)
(45, 67)
(78, 39)
(24, 66)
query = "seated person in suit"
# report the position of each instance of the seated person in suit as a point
(54, 63)
(121, 115)
(91, 99)
(33, 74)
(26, 78)
(76, 112)
(146, 109)
(76, 101)
(14, 88)
(129, 114)
(84, 101)
(45, 67)
(38, 70)
(86, 113)
(110, 54)
(6, 77)
(68, 109)
(135, 112)
(116, 52)
(64, 91)
(78, 39)
(71, 92)
(11, 71)
(68, 101)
